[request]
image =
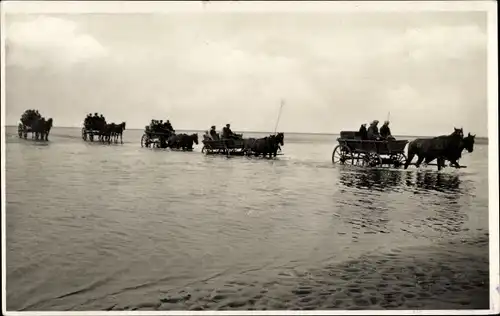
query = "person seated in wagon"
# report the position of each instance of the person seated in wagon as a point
(363, 133)
(206, 136)
(227, 133)
(168, 127)
(373, 133)
(213, 133)
(385, 131)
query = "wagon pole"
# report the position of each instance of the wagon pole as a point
(279, 115)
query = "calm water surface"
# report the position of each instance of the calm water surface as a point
(89, 223)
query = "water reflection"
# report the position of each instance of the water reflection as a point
(434, 181)
(373, 179)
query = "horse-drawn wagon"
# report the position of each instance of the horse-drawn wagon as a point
(33, 122)
(239, 146)
(96, 126)
(352, 150)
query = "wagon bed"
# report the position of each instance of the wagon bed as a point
(233, 147)
(352, 150)
(151, 137)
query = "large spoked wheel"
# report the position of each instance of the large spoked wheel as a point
(145, 140)
(342, 155)
(371, 160)
(203, 149)
(84, 134)
(398, 160)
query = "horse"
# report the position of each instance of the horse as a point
(264, 146)
(183, 141)
(453, 156)
(40, 128)
(46, 129)
(118, 131)
(435, 148)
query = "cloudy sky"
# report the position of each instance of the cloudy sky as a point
(334, 70)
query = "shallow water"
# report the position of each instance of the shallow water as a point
(92, 225)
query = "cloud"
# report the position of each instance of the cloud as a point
(49, 41)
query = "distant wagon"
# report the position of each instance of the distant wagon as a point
(352, 150)
(236, 145)
(96, 126)
(33, 122)
(229, 147)
(155, 138)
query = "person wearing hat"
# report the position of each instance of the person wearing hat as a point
(385, 131)
(373, 133)
(213, 133)
(363, 133)
(226, 132)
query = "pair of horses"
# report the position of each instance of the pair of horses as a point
(264, 146)
(182, 141)
(111, 132)
(442, 148)
(39, 128)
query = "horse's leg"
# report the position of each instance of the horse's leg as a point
(419, 161)
(454, 163)
(440, 162)
(121, 137)
(409, 159)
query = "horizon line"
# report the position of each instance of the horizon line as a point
(304, 133)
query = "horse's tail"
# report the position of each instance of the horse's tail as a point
(412, 150)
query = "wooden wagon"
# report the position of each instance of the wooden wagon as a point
(352, 150)
(229, 147)
(152, 138)
(89, 134)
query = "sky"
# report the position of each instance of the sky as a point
(334, 71)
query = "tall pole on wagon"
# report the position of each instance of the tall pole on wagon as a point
(279, 115)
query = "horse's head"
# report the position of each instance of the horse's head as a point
(122, 125)
(468, 142)
(280, 138)
(49, 122)
(195, 138)
(458, 132)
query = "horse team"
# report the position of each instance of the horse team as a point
(96, 125)
(33, 122)
(441, 148)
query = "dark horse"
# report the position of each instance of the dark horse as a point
(110, 132)
(41, 128)
(183, 141)
(446, 147)
(264, 146)
(453, 157)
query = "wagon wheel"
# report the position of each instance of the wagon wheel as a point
(372, 159)
(84, 134)
(398, 160)
(203, 149)
(144, 140)
(342, 155)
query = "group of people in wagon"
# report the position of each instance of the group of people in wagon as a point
(227, 133)
(30, 115)
(158, 126)
(91, 121)
(372, 133)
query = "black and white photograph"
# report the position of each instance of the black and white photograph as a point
(286, 157)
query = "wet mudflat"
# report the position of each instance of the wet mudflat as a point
(120, 227)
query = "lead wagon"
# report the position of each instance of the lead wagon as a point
(352, 150)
